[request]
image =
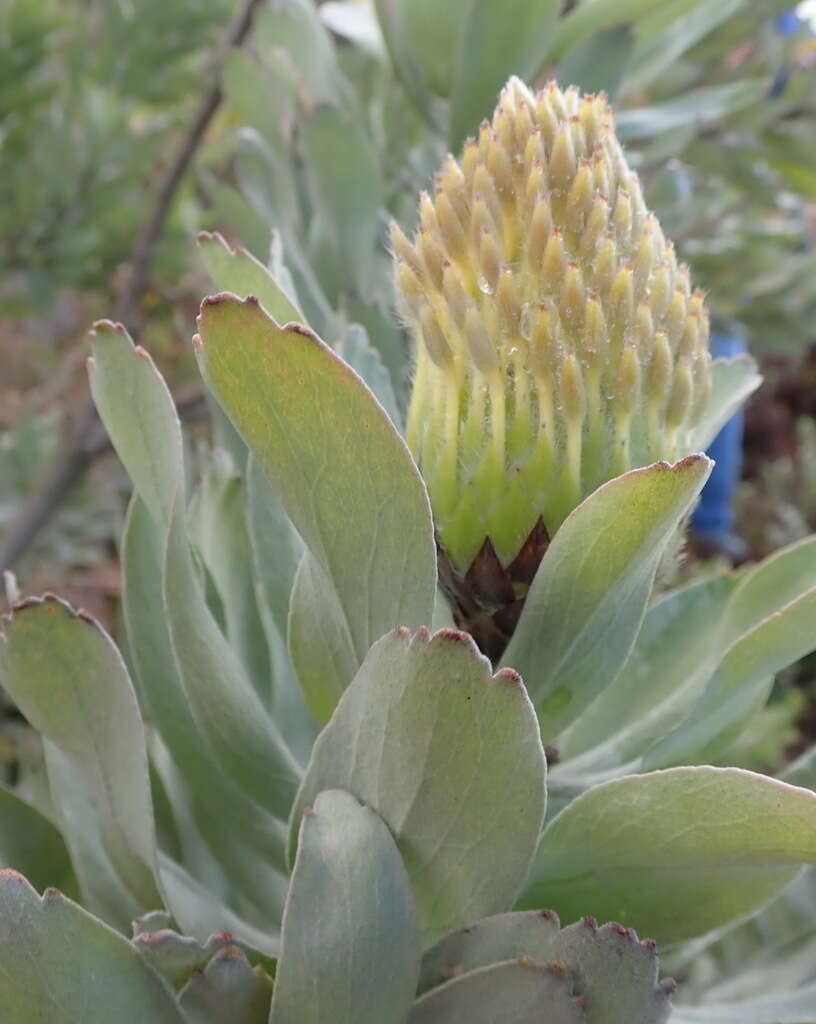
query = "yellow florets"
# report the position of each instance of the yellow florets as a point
(560, 343)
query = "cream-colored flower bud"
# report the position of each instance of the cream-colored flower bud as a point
(559, 342)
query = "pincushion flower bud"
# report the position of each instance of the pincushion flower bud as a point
(559, 342)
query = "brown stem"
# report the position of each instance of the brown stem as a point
(79, 451)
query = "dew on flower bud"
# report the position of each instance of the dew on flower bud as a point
(660, 371)
(622, 218)
(628, 381)
(484, 286)
(526, 321)
(409, 289)
(573, 296)
(560, 342)
(546, 119)
(660, 290)
(573, 395)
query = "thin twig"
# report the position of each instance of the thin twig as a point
(83, 445)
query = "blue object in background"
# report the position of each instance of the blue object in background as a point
(713, 519)
(788, 24)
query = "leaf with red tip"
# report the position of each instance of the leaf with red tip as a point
(236, 270)
(61, 965)
(69, 680)
(450, 757)
(228, 989)
(614, 974)
(346, 479)
(519, 991)
(137, 409)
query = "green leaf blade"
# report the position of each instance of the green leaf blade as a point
(345, 477)
(61, 965)
(524, 993)
(350, 943)
(69, 680)
(458, 760)
(675, 853)
(236, 270)
(587, 601)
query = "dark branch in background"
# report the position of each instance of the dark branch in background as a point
(84, 444)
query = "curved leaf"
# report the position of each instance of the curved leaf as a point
(588, 598)
(675, 853)
(350, 943)
(236, 270)
(68, 679)
(450, 758)
(61, 965)
(517, 992)
(346, 479)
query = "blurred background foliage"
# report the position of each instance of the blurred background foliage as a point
(331, 118)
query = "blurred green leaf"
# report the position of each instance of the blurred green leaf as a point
(218, 529)
(240, 834)
(32, 845)
(599, 63)
(499, 40)
(781, 1008)
(345, 185)
(138, 412)
(289, 33)
(246, 742)
(698, 106)
(744, 672)
(733, 380)
(656, 54)
(277, 550)
(364, 359)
